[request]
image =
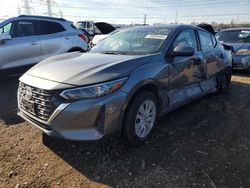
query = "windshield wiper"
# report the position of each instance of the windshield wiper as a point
(114, 52)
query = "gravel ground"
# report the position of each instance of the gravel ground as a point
(203, 144)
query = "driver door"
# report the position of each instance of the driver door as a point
(186, 72)
(24, 46)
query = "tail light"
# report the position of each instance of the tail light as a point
(83, 37)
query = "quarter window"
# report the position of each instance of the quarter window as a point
(206, 40)
(214, 41)
(47, 27)
(186, 38)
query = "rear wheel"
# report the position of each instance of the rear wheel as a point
(140, 118)
(223, 81)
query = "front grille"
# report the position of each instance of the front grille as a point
(38, 102)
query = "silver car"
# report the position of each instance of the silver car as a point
(239, 39)
(27, 40)
(124, 83)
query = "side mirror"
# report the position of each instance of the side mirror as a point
(4, 37)
(183, 51)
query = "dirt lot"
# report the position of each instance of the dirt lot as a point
(203, 144)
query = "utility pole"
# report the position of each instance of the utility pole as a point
(61, 14)
(49, 4)
(19, 10)
(145, 19)
(176, 17)
(27, 7)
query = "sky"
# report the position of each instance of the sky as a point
(133, 11)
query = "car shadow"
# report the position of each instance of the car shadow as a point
(189, 145)
(241, 73)
(8, 100)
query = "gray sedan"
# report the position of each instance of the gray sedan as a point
(124, 83)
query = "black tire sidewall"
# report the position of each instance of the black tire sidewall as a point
(131, 112)
(226, 74)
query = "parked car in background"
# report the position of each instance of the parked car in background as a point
(124, 83)
(239, 38)
(86, 26)
(27, 40)
(207, 27)
(93, 29)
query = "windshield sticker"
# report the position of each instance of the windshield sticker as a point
(161, 37)
(244, 34)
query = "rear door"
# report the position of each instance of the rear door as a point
(213, 55)
(53, 37)
(186, 73)
(23, 48)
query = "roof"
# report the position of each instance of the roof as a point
(42, 17)
(170, 26)
(236, 29)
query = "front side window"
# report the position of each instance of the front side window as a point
(186, 38)
(206, 40)
(6, 28)
(22, 29)
(47, 27)
(134, 41)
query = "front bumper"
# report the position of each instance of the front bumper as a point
(84, 120)
(241, 62)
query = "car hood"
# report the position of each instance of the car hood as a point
(86, 68)
(238, 46)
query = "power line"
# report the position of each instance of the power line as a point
(49, 4)
(27, 7)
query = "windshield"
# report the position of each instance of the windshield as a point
(234, 36)
(133, 41)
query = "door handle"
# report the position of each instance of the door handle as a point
(67, 38)
(33, 43)
(197, 61)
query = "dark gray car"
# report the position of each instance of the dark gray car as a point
(124, 83)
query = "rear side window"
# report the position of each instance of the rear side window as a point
(206, 40)
(186, 38)
(47, 27)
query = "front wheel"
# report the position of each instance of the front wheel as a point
(140, 118)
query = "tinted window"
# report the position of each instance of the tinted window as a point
(186, 38)
(22, 29)
(47, 27)
(206, 40)
(6, 28)
(234, 36)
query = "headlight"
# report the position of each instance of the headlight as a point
(93, 91)
(243, 52)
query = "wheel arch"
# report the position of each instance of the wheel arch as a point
(147, 85)
(76, 49)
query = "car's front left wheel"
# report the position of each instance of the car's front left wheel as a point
(140, 118)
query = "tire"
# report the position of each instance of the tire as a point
(137, 127)
(223, 81)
